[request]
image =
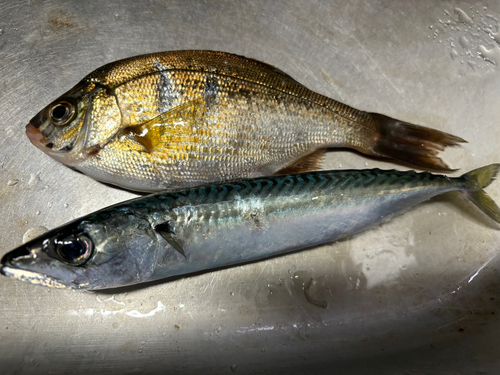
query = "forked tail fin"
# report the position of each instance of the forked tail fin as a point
(480, 178)
(413, 144)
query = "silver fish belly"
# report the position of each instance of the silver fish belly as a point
(176, 233)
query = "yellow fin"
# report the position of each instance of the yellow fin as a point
(152, 133)
(306, 163)
(481, 178)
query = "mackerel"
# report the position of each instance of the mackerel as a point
(176, 233)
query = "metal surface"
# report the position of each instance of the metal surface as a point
(417, 294)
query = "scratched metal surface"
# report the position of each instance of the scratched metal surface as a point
(419, 294)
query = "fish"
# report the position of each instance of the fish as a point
(179, 119)
(171, 234)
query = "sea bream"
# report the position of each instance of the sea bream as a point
(186, 118)
(178, 233)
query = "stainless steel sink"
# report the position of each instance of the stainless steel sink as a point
(420, 294)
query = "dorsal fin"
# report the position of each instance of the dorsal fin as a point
(166, 230)
(306, 163)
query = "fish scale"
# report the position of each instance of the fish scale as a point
(199, 229)
(186, 118)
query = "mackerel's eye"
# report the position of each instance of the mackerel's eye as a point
(75, 250)
(61, 113)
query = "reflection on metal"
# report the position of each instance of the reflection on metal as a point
(132, 313)
(310, 299)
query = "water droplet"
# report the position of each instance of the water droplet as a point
(234, 367)
(140, 350)
(66, 205)
(430, 27)
(38, 213)
(1, 32)
(231, 293)
(263, 350)
(13, 182)
(34, 233)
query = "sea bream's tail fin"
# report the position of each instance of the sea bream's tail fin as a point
(412, 144)
(480, 178)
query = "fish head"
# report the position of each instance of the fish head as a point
(99, 252)
(77, 124)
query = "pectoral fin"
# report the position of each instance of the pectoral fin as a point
(166, 230)
(168, 126)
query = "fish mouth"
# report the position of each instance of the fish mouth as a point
(34, 135)
(39, 140)
(22, 254)
(31, 277)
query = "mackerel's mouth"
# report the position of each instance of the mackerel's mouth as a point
(22, 255)
(31, 277)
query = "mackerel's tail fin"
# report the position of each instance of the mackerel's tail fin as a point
(412, 144)
(481, 178)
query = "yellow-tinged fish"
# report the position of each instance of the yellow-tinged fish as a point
(184, 118)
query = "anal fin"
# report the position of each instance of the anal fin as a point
(308, 163)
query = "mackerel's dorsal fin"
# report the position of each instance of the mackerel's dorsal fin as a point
(172, 125)
(306, 163)
(167, 231)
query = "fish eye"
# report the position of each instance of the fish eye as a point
(61, 113)
(75, 250)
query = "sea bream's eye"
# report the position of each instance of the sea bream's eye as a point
(75, 250)
(61, 113)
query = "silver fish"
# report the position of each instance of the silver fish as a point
(177, 233)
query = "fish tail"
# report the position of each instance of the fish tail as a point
(412, 144)
(481, 178)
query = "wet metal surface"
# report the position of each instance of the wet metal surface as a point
(420, 293)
